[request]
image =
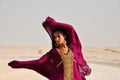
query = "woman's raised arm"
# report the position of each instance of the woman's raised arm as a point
(50, 24)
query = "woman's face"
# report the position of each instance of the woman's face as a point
(59, 37)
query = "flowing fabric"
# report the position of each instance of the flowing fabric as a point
(47, 65)
(74, 43)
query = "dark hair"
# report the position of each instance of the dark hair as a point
(59, 30)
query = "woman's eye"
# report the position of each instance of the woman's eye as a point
(59, 36)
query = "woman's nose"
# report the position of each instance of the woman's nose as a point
(57, 39)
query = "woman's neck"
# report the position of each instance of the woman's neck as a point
(62, 46)
(63, 49)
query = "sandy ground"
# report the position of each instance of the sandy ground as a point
(105, 62)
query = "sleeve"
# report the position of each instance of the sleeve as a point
(37, 65)
(43, 59)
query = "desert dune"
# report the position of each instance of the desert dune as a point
(105, 62)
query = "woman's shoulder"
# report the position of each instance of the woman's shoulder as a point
(51, 51)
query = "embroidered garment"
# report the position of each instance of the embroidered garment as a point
(67, 59)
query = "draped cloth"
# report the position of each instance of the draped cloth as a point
(47, 65)
(74, 43)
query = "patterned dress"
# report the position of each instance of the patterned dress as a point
(67, 59)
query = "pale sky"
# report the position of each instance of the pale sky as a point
(97, 22)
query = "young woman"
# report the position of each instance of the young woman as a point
(65, 60)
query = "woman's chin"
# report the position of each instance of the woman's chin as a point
(58, 44)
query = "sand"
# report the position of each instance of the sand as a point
(105, 62)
